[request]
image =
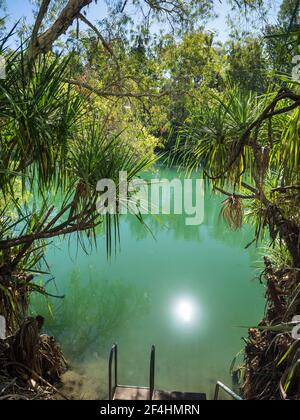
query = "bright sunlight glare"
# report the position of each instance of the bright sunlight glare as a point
(185, 310)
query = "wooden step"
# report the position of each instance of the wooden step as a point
(180, 396)
(127, 393)
(135, 393)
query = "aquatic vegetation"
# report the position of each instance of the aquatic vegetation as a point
(87, 322)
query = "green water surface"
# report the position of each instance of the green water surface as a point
(189, 291)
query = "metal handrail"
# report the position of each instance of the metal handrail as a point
(228, 391)
(152, 373)
(112, 357)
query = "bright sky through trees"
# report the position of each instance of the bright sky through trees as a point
(23, 8)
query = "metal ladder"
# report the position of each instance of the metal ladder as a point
(149, 393)
(227, 390)
(113, 362)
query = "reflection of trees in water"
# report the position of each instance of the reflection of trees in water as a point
(222, 233)
(91, 313)
(174, 224)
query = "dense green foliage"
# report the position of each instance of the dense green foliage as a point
(107, 96)
(247, 141)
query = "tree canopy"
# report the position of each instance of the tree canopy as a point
(84, 100)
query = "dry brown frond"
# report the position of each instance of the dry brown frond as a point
(232, 212)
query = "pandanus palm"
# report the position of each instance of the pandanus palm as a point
(253, 157)
(52, 154)
(215, 129)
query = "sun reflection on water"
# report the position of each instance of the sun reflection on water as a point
(186, 311)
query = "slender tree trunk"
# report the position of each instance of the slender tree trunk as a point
(43, 43)
(289, 232)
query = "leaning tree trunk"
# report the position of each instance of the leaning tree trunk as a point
(41, 44)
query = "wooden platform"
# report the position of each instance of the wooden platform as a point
(127, 393)
(179, 396)
(132, 393)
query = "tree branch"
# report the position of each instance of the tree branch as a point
(124, 6)
(268, 113)
(85, 220)
(100, 36)
(59, 231)
(242, 197)
(250, 188)
(44, 42)
(39, 20)
(103, 93)
(285, 189)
